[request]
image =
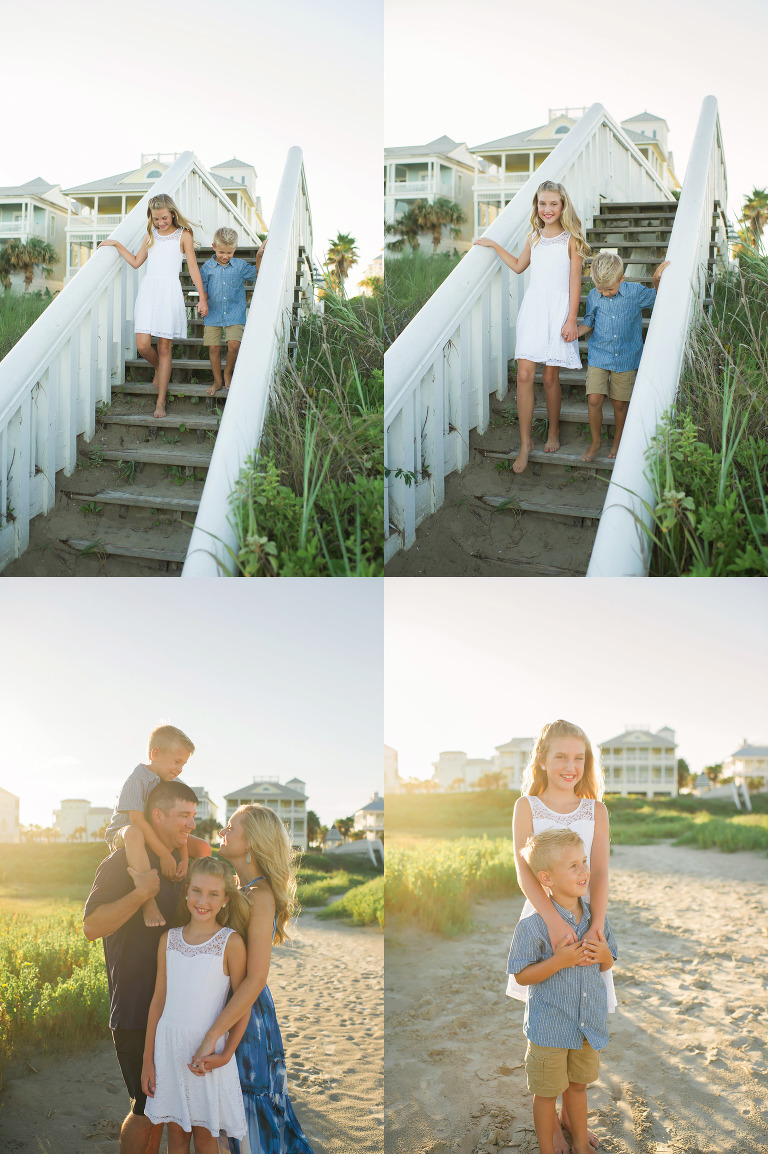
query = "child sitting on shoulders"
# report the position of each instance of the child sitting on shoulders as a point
(169, 751)
(566, 1013)
(224, 277)
(615, 312)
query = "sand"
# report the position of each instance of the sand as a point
(686, 1070)
(328, 995)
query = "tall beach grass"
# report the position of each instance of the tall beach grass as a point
(18, 312)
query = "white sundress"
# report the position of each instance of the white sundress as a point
(197, 990)
(159, 308)
(582, 821)
(545, 307)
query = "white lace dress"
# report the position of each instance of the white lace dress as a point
(159, 307)
(545, 307)
(582, 822)
(197, 990)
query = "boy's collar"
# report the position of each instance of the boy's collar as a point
(567, 913)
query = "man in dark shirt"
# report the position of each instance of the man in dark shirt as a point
(113, 912)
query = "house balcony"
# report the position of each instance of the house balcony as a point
(500, 182)
(401, 188)
(85, 224)
(11, 228)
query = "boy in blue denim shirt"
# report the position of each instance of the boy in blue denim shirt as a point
(224, 277)
(615, 312)
(566, 1012)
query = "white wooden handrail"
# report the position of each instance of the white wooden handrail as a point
(52, 379)
(264, 344)
(440, 371)
(621, 546)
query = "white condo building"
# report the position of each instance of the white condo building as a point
(393, 783)
(639, 761)
(369, 819)
(455, 771)
(749, 761)
(10, 830)
(288, 801)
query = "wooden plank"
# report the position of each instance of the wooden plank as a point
(139, 499)
(178, 363)
(563, 456)
(527, 506)
(576, 414)
(531, 568)
(175, 389)
(147, 420)
(142, 553)
(163, 455)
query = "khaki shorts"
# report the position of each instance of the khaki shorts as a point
(620, 388)
(550, 1070)
(212, 334)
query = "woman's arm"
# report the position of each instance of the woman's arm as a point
(598, 873)
(235, 963)
(155, 1010)
(569, 330)
(522, 828)
(188, 249)
(518, 264)
(257, 971)
(133, 261)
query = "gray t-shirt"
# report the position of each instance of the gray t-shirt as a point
(133, 795)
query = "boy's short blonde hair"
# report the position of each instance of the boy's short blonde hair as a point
(542, 850)
(225, 238)
(607, 269)
(166, 737)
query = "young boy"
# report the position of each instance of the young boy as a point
(566, 1020)
(169, 751)
(615, 312)
(224, 277)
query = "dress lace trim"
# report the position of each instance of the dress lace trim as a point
(215, 945)
(561, 238)
(585, 809)
(170, 236)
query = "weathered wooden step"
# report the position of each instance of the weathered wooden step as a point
(162, 455)
(120, 549)
(575, 413)
(143, 499)
(147, 421)
(175, 389)
(202, 364)
(570, 456)
(526, 505)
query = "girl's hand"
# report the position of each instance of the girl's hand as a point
(204, 1050)
(570, 331)
(106, 243)
(482, 240)
(202, 308)
(205, 1065)
(148, 1078)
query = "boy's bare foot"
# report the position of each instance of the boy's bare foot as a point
(213, 390)
(151, 914)
(614, 449)
(593, 1139)
(521, 460)
(592, 451)
(552, 445)
(558, 1140)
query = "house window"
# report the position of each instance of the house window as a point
(656, 773)
(656, 752)
(643, 773)
(562, 129)
(458, 184)
(52, 227)
(153, 175)
(618, 773)
(618, 752)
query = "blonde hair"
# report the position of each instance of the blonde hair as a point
(274, 857)
(235, 914)
(606, 269)
(163, 200)
(166, 737)
(224, 238)
(542, 850)
(591, 783)
(568, 217)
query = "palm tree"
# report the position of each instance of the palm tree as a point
(342, 254)
(443, 213)
(754, 215)
(408, 228)
(25, 257)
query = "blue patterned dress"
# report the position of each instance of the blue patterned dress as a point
(273, 1128)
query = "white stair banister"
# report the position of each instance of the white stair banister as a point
(621, 546)
(264, 343)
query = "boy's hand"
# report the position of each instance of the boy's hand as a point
(182, 867)
(596, 949)
(168, 866)
(659, 271)
(202, 308)
(569, 331)
(148, 1078)
(568, 954)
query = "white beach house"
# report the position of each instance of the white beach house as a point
(639, 761)
(440, 168)
(369, 819)
(35, 209)
(453, 770)
(10, 830)
(393, 783)
(749, 761)
(288, 801)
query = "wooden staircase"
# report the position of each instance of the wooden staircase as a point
(129, 507)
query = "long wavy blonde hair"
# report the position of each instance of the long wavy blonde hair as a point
(274, 857)
(568, 217)
(534, 782)
(237, 911)
(163, 200)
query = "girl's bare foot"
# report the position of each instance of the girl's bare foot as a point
(552, 445)
(213, 390)
(521, 460)
(592, 451)
(614, 449)
(159, 412)
(151, 914)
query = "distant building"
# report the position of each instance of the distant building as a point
(10, 830)
(333, 838)
(393, 783)
(639, 761)
(440, 168)
(78, 820)
(455, 771)
(288, 801)
(749, 761)
(206, 808)
(35, 209)
(369, 819)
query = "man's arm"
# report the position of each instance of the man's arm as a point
(106, 918)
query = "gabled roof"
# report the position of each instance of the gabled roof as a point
(442, 144)
(374, 806)
(528, 138)
(259, 789)
(751, 751)
(645, 116)
(111, 184)
(36, 187)
(233, 163)
(646, 738)
(641, 138)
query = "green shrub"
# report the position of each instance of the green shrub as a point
(363, 905)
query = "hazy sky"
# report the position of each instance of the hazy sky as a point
(477, 74)
(268, 678)
(471, 663)
(244, 78)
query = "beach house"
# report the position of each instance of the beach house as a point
(440, 168)
(98, 206)
(639, 761)
(393, 783)
(749, 761)
(77, 819)
(453, 770)
(35, 209)
(10, 830)
(288, 801)
(369, 819)
(206, 807)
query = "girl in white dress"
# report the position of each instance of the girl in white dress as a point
(159, 310)
(561, 789)
(546, 323)
(197, 964)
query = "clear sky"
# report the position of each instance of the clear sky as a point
(477, 74)
(473, 662)
(244, 78)
(268, 678)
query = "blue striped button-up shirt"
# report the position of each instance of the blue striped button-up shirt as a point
(571, 1004)
(224, 286)
(617, 322)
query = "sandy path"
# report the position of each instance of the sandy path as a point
(328, 995)
(686, 1071)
